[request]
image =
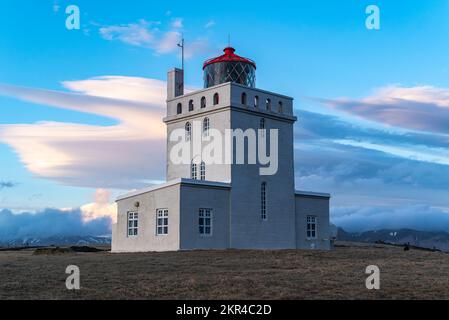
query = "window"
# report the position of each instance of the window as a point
(205, 222)
(193, 171)
(268, 104)
(203, 102)
(216, 99)
(311, 227)
(263, 201)
(133, 223)
(188, 132)
(262, 127)
(256, 102)
(281, 107)
(179, 108)
(162, 222)
(244, 98)
(203, 171)
(206, 127)
(191, 105)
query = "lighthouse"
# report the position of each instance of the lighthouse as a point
(222, 205)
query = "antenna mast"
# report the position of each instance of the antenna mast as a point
(181, 45)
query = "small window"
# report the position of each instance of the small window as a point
(268, 104)
(243, 98)
(203, 102)
(256, 102)
(205, 222)
(203, 171)
(206, 127)
(216, 99)
(263, 201)
(188, 133)
(281, 107)
(193, 171)
(191, 105)
(311, 227)
(133, 223)
(162, 222)
(179, 108)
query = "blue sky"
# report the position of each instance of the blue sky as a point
(374, 123)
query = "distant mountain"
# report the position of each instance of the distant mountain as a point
(425, 239)
(57, 241)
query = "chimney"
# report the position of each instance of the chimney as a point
(175, 83)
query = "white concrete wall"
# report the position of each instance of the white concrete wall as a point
(192, 199)
(314, 206)
(248, 230)
(147, 240)
(236, 100)
(220, 120)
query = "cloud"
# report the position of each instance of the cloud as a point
(50, 222)
(122, 155)
(136, 34)
(377, 167)
(56, 6)
(168, 42)
(148, 35)
(421, 108)
(209, 24)
(100, 208)
(7, 184)
(177, 23)
(417, 217)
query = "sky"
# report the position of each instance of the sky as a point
(81, 110)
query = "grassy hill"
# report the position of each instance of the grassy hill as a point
(230, 274)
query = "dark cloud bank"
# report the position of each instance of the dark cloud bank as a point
(48, 223)
(417, 217)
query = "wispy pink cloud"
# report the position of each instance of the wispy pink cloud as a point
(422, 108)
(123, 155)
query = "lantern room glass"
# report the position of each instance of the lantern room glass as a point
(230, 71)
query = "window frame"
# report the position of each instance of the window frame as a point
(191, 106)
(206, 127)
(311, 233)
(179, 108)
(188, 132)
(244, 99)
(203, 102)
(133, 217)
(202, 171)
(263, 201)
(268, 104)
(162, 215)
(202, 214)
(262, 126)
(193, 171)
(216, 99)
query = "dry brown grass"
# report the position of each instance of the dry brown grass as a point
(231, 274)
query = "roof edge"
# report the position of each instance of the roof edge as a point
(181, 181)
(312, 194)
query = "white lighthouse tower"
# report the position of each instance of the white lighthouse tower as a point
(206, 205)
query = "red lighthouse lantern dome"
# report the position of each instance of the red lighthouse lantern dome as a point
(229, 67)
